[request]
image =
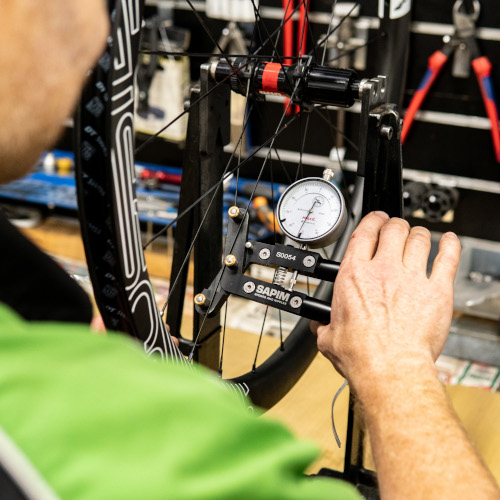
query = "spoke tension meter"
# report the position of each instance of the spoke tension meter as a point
(311, 212)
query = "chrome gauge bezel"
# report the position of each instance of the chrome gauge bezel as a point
(333, 233)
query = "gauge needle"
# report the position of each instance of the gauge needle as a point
(306, 217)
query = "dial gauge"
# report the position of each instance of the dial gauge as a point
(312, 211)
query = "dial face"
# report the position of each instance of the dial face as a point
(310, 210)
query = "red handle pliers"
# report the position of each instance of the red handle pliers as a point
(463, 39)
(301, 38)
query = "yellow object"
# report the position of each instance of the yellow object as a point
(64, 166)
(265, 214)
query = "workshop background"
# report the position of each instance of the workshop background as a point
(451, 179)
(451, 174)
(451, 170)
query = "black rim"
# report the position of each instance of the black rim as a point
(106, 196)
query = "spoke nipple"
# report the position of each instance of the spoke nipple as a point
(200, 300)
(234, 212)
(230, 261)
(249, 245)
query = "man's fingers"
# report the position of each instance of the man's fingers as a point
(364, 239)
(314, 325)
(392, 240)
(418, 246)
(445, 264)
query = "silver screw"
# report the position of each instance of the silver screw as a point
(265, 253)
(386, 132)
(295, 302)
(249, 287)
(309, 261)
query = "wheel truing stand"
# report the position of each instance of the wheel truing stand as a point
(379, 169)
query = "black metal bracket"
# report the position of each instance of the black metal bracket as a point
(240, 253)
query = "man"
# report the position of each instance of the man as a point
(91, 417)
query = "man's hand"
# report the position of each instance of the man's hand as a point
(389, 324)
(385, 308)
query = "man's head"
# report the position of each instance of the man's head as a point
(46, 49)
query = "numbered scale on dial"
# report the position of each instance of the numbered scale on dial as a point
(312, 212)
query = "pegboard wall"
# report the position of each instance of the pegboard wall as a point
(449, 146)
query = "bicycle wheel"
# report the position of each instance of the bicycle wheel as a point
(111, 229)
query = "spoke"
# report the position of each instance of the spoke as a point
(282, 165)
(155, 136)
(330, 33)
(254, 366)
(302, 145)
(258, 22)
(278, 29)
(208, 55)
(223, 338)
(246, 119)
(335, 132)
(255, 55)
(272, 204)
(305, 21)
(195, 237)
(329, 24)
(270, 40)
(208, 32)
(276, 152)
(282, 344)
(335, 129)
(359, 47)
(224, 179)
(335, 135)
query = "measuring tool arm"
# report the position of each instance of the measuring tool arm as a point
(240, 253)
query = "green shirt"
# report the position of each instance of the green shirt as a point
(101, 421)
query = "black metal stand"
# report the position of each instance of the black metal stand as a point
(379, 167)
(208, 133)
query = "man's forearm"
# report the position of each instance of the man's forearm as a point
(420, 448)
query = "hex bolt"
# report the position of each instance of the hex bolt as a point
(295, 302)
(265, 253)
(309, 261)
(200, 300)
(249, 287)
(233, 212)
(386, 132)
(230, 261)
